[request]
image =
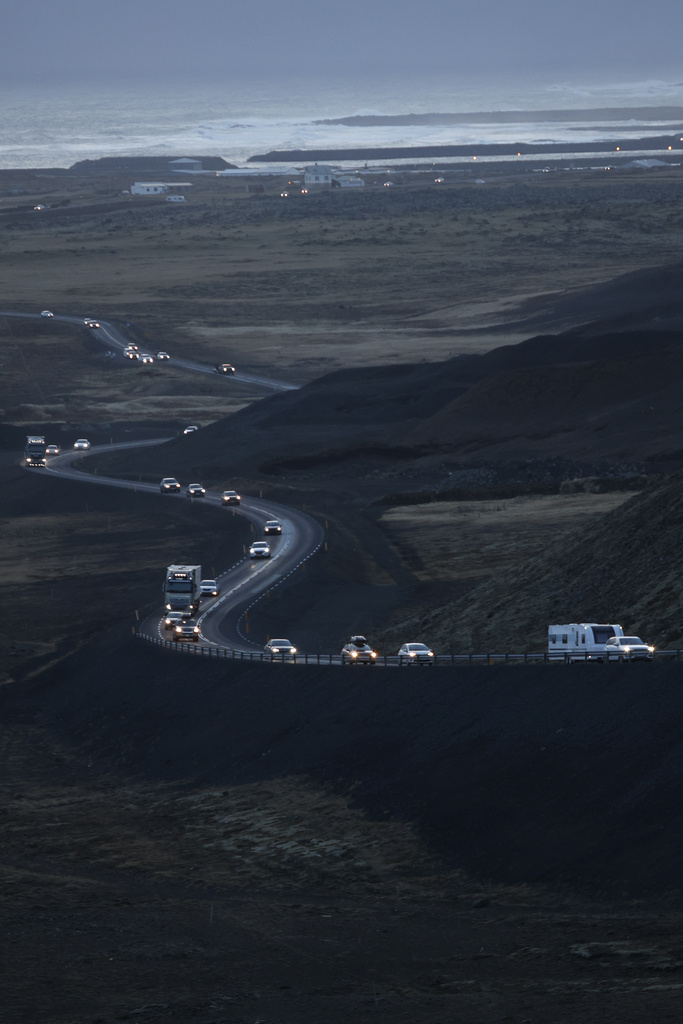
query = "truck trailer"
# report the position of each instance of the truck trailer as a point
(35, 450)
(181, 588)
(581, 641)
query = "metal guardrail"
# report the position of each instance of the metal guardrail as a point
(389, 660)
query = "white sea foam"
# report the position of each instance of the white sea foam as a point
(242, 120)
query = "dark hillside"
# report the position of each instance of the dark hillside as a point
(517, 773)
(608, 403)
(626, 568)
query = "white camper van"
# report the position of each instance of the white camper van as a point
(580, 641)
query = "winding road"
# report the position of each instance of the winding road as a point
(221, 621)
(115, 340)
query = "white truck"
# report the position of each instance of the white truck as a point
(181, 588)
(581, 641)
(35, 450)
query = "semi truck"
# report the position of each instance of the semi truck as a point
(581, 641)
(35, 450)
(181, 588)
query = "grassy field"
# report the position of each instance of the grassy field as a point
(309, 283)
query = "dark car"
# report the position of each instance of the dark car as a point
(187, 630)
(230, 498)
(272, 526)
(358, 652)
(168, 485)
(225, 368)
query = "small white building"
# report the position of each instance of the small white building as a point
(349, 181)
(148, 188)
(318, 176)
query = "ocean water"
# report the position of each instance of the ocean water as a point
(240, 119)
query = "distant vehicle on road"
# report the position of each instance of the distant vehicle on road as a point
(280, 648)
(52, 449)
(35, 451)
(131, 353)
(89, 322)
(224, 368)
(147, 358)
(162, 355)
(581, 641)
(187, 629)
(209, 587)
(169, 485)
(358, 651)
(82, 444)
(259, 549)
(190, 430)
(172, 619)
(415, 654)
(46, 312)
(230, 498)
(272, 526)
(195, 491)
(628, 648)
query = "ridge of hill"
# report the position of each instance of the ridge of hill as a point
(626, 567)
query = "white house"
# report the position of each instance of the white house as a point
(319, 175)
(148, 188)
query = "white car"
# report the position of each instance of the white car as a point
(628, 648)
(171, 619)
(52, 449)
(259, 549)
(272, 526)
(147, 357)
(190, 430)
(89, 322)
(162, 355)
(131, 353)
(280, 649)
(82, 444)
(415, 654)
(209, 587)
(46, 312)
(196, 491)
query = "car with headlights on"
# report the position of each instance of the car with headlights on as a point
(191, 429)
(147, 358)
(271, 527)
(169, 485)
(46, 313)
(186, 630)
(628, 648)
(230, 498)
(259, 549)
(52, 449)
(171, 619)
(280, 649)
(415, 654)
(163, 355)
(89, 322)
(209, 588)
(224, 368)
(358, 652)
(195, 491)
(82, 444)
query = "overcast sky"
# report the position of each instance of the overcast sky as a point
(59, 41)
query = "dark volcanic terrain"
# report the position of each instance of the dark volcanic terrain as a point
(232, 843)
